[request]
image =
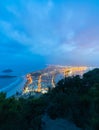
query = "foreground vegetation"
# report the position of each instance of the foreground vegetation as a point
(74, 98)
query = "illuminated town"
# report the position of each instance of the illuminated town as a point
(43, 80)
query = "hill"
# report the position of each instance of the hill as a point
(7, 71)
(74, 99)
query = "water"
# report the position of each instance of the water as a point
(17, 71)
(22, 69)
(6, 81)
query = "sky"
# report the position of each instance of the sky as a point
(38, 32)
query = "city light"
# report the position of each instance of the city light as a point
(49, 77)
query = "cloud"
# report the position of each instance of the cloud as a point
(10, 32)
(59, 31)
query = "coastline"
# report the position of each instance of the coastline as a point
(11, 89)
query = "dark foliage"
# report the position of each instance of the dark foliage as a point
(74, 98)
(22, 114)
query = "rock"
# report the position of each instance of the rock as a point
(7, 76)
(7, 71)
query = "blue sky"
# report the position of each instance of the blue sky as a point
(38, 32)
